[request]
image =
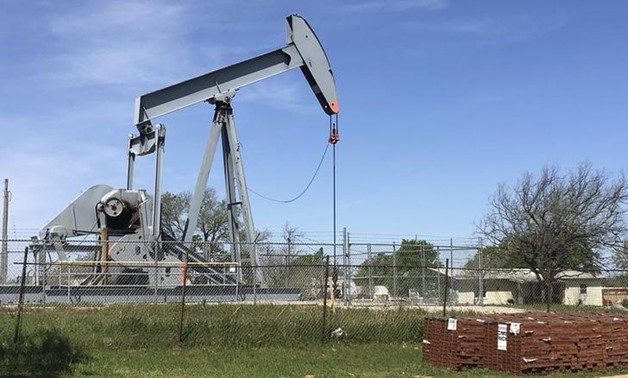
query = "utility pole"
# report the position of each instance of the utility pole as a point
(4, 259)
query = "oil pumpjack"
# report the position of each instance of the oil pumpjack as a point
(126, 221)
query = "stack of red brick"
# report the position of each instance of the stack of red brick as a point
(528, 342)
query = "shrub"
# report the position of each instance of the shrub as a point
(47, 353)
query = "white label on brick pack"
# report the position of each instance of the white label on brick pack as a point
(452, 324)
(515, 328)
(502, 330)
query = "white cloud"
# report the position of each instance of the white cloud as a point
(50, 157)
(281, 94)
(44, 177)
(394, 5)
(511, 29)
(119, 17)
(469, 26)
(528, 27)
(121, 45)
(120, 42)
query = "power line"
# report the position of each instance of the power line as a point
(304, 190)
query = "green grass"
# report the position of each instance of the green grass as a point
(149, 325)
(335, 360)
(220, 341)
(330, 361)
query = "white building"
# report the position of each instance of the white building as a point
(504, 286)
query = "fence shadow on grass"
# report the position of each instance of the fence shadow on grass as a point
(48, 354)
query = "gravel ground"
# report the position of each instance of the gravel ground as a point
(430, 308)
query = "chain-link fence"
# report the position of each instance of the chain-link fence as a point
(294, 295)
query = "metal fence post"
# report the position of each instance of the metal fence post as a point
(44, 275)
(287, 259)
(183, 294)
(446, 279)
(394, 270)
(237, 286)
(42, 269)
(68, 284)
(368, 251)
(4, 246)
(344, 265)
(325, 291)
(155, 250)
(549, 290)
(20, 301)
(348, 274)
(451, 256)
(423, 293)
(438, 270)
(255, 285)
(480, 276)
(451, 251)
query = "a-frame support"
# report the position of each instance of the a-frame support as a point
(243, 249)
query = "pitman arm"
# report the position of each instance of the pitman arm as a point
(304, 50)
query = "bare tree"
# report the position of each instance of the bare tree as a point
(279, 258)
(290, 235)
(551, 223)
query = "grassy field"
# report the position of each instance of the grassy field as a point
(220, 341)
(367, 360)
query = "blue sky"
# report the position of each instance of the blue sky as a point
(440, 101)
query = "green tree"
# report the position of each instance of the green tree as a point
(495, 257)
(620, 258)
(212, 226)
(414, 253)
(407, 268)
(174, 213)
(554, 222)
(379, 269)
(307, 272)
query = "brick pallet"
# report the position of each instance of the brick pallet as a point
(457, 348)
(528, 342)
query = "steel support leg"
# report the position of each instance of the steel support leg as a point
(160, 134)
(240, 180)
(201, 181)
(232, 198)
(235, 186)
